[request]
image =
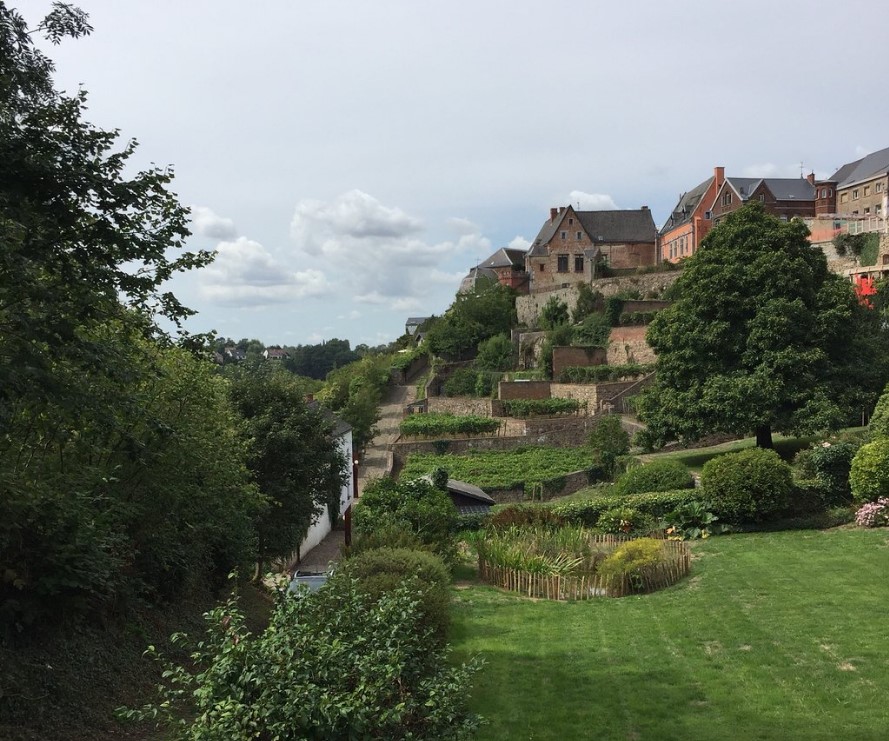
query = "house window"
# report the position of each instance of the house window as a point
(867, 210)
(844, 198)
(866, 191)
(562, 264)
(762, 198)
(542, 267)
(570, 222)
(824, 192)
(578, 263)
(855, 194)
(878, 209)
(878, 188)
(579, 236)
(829, 192)
(564, 235)
(727, 198)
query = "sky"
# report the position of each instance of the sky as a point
(350, 161)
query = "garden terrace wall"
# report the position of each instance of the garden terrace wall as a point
(460, 405)
(628, 345)
(508, 390)
(561, 486)
(528, 307)
(564, 357)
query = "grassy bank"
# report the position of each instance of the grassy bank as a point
(775, 636)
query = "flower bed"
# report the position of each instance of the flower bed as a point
(575, 564)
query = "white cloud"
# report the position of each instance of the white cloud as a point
(206, 222)
(375, 252)
(519, 243)
(591, 201)
(245, 273)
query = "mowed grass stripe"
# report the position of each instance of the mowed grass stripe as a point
(775, 636)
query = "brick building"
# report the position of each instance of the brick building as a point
(689, 222)
(782, 197)
(572, 244)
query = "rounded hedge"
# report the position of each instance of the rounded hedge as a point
(663, 475)
(748, 486)
(869, 475)
(879, 421)
(382, 570)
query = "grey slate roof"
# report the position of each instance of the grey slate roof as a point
(416, 321)
(472, 277)
(505, 257)
(876, 163)
(789, 189)
(467, 490)
(686, 206)
(784, 189)
(616, 226)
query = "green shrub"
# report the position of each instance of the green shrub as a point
(540, 407)
(659, 475)
(690, 521)
(461, 382)
(614, 305)
(518, 515)
(594, 330)
(587, 303)
(439, 423)
(381, 570)
(626, 521)
(879, 421)
(495, 354)
(554, 313)
(609, 441)
(392, 535)
(587, 512)
(748, 486)
(415, 505)
(869, 475)
(630, 560)
(829, 463)
(331, 665)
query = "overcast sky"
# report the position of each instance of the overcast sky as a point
(350, 161)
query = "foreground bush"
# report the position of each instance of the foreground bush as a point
(827, 466)
(869, 474)
(379, 571)
(748, 486)
(625, 521)
(331, 665)
(659, 475)
(524, 515)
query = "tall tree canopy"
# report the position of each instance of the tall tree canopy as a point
(79, 234)
(761, 337)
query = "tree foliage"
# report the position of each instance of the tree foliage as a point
(761, 337)
(335, 665)
(121, 471)
(474, 316)
(291, 455)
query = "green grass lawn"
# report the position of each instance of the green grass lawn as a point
(774, 636)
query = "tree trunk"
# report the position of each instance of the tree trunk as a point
(764, 437)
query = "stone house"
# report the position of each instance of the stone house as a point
(572, 244)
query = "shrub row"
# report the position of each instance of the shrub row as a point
(434, 424)
(636, 318)
(657, 504)
(540, 407)
(603, 373)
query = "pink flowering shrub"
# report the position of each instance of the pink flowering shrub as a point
(873, 514)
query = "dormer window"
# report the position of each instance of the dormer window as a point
(564, 236)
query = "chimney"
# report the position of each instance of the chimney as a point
(811, 178)
(561, 209)
(643, 208)
(719, 175)
(553, 212)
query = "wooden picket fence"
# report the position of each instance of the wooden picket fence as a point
(586, 585)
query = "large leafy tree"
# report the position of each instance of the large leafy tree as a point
(761, 337)
(79, 233)
(486, 311)
(293, 458)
